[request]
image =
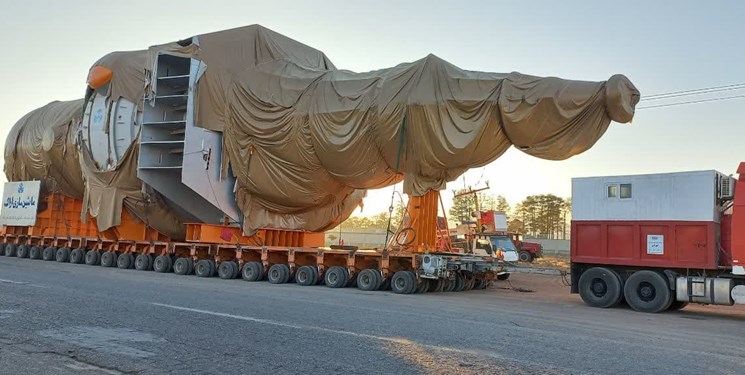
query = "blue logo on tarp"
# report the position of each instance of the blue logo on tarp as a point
(20, 188)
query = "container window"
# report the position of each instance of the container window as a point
(625, 191)
(612, 191)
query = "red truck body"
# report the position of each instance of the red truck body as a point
(659, 241)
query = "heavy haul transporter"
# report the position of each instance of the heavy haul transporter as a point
(659, 241)
(232, 152)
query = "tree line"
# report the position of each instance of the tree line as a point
(543, 216)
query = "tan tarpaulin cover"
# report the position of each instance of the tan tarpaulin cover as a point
(41, 146)
(305, 139)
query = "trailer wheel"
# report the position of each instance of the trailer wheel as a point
(124, 261)
(22, 251)
(503, 276)
(93, 258)
(181, 266)
(76, 256)
(470, 282)
(336, 277)
(369, 280)
(2, 249)
(305, 276)
(460, 282)
(648, 291)
(143, 262)
(278, 274)
(203, 268)
(403, 282)
(253, 271)
(449, 285)
(525, 256)
(163, 264)
(677, 305)
(10, 250)
(108, 259)
(385, 284)
(35, 252)
(423, 286)
(62, 255)
(49, 253)
(600, 287)
(225, 270)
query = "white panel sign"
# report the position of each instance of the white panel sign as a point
(655, 244)
(20, 203)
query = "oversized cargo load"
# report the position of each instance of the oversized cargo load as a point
(303, 140)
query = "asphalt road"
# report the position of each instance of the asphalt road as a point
(64, 318)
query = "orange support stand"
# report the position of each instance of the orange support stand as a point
(422, 212)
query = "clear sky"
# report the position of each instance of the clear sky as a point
(663, 46)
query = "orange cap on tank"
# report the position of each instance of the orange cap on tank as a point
(99, 76)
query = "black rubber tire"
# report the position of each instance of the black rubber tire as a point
(483, 284)
(2, 249)
(226, 269)
(10, 250)
(647, 291)
(143, 262)
(163, 264)
(403, 282)
(525, 256)
(203, 268)
(369, 279)
(108, 259)
(278, 274)
(305, 276)
(181, 266)
(600, 287)
(22, 251)
(93, 258)
(336, 277)
(503, 276)
(48, 254)
(450, 285)
(252, 271)
(76, 256)
(124, 261)
(677, 305)
(434, 285)
(35, 252)
(460, 283)
(190, 261)
(423, 286)
(62, 255)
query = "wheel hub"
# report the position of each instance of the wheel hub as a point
(599, 287)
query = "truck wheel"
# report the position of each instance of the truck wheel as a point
(525, 256)
(93, 258)
(600, 287)
(62, 255)
(647, 291)
(385, 284)
(449, 285)
(278, 274)
(253, 271)
(35, 252)
(48, 254)
(124, 261)
(403, 282)
(163, 264)
(305, 276)
(22, 251)
(10, 250)
(677, 305)
(143, 262)
(503, 276)
(2, 249)
(423, 286)
(369, 279)
(336, 277)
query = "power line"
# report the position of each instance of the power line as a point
(693, 102)
(648, 97)
(701, 92)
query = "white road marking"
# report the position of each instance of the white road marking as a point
(330, 330)
(12, 282)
